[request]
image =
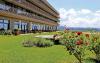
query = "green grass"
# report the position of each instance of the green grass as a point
(12, 51)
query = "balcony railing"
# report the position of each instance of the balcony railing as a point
(43, 6)
(21, 4)
(37, 9)
(29, 15)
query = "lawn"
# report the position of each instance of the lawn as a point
(12, 51)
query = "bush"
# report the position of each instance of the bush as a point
(38, 42)
(2, 31)
(16, 32)
(28, 43)
(5, 32)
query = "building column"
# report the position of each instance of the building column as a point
(29, 26)
(39, 27)
(11, 25)
(19, 25)
(52, 28)
(56, 28)
(43, 27)
(48, 28)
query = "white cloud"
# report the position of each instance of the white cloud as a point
(97, 13)
(79, 18)
(63, 13)
(85, 11)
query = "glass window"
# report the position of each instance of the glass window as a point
(19, 11)
(4, 24)
(24, 26)
(7, 7)
(16, 25)
(1, 25)
(33, 27)
(1, 21)
(5, 21)
(2, 6)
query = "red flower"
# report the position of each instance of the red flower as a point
(79, 42)
(87, 35)
(78, 33)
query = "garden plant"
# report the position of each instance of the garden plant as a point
(77, 43)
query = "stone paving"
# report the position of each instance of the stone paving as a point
(45, 36)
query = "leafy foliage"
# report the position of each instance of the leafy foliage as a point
(39, 42)
(77, 43)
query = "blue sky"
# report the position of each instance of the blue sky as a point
(77, 4)
(78, 13)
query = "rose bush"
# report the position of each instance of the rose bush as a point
(77, 43)
(95, 45)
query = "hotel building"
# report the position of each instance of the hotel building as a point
(28, 15)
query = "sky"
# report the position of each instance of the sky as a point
(78, 13)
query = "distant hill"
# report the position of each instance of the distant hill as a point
(78, 28)
(61, 27)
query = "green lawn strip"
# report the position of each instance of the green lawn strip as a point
(12, 51)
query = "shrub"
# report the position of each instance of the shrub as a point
(27, 43)
(16, 32)
(77, 43)
(95, 45)
(5, 32)
(38, 42)
(2, 31)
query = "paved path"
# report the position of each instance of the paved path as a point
(45, 36)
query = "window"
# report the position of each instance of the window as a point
(4, 24)
(19, 11)
(16, 25)
(23, 26)
(2, 7)
(7, 7)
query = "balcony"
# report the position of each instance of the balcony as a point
(44, 6)
(29, 6)
(28, 17)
